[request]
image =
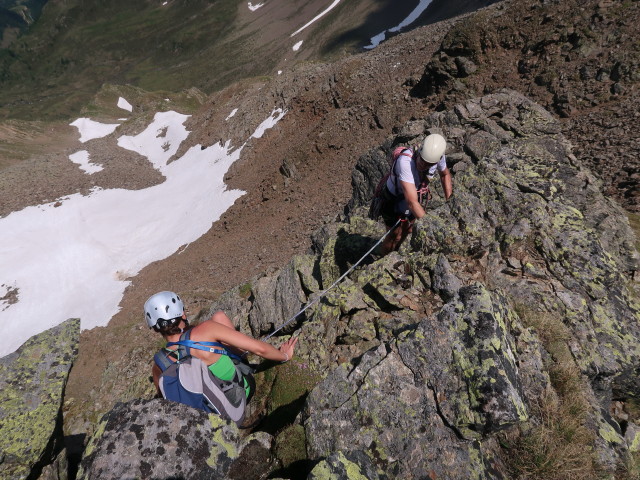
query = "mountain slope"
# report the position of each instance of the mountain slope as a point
(77, 46)
(335, 112)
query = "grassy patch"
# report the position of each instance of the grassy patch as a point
(291, 445)
(245, 290)
(555, 444)
(634, 221)
(631, 468)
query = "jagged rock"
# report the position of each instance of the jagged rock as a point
(161, 439)
(518, 240)
(350, 466)
(32, 381)
(277, 298)
(379, 408)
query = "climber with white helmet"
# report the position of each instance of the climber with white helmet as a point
(216, 342)
(407, 187)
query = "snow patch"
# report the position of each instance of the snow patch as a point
(90, 130)
(297, 46)
(412, 17)
(233, 112)
(123, 104)
(74, 259)
(253, 7)
(317, 17)
(274, 118)
(160, 140)
(82, 158)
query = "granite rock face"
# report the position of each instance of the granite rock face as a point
(32, 381)
(522, 239)
(161, 439)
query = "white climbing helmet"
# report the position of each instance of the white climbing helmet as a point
(433, 148)
(162, 306)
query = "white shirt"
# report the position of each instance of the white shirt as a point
(405, 170)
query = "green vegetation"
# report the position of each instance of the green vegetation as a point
(291, 446)
(75, 48)
(245, 290)
(555, 444)
(281, 392)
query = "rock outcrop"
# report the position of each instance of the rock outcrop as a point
(460, 320)
(161, 439)
(32, 381)
(501, 340)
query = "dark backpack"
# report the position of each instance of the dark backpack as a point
(188, 380)
(382, 194)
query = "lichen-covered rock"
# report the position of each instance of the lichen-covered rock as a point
(527, 238)
(378, 407)
(32, 381)
(162, 439)
(344, 466)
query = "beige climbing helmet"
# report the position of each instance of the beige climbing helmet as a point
(433, 148)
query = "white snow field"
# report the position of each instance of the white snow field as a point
(123, 104)
(90, 129)
(74, 260)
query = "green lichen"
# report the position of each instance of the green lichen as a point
(476, 465)
(91, 446)
(322, 471)
(31, 388)
(608, 433)
(634, 445)
(220, 442)
(353, 470)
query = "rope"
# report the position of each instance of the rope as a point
(324, 292)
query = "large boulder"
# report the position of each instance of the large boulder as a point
(32, 382)
(162, 440)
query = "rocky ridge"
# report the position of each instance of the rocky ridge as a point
(334, 115)
(436, 361)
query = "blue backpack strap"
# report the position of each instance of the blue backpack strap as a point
(161, 359)
(213, 347)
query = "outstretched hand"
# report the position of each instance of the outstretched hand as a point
(288, 346)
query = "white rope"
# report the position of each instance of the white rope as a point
(324, 292)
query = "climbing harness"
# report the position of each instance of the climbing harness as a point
(424, 192)
(324, 292)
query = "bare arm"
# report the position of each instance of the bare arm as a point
(445, 180)
(156, 372)
(411, 196)
(211, 330)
